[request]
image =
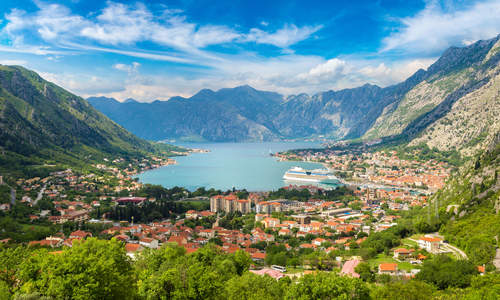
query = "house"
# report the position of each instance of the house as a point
(191, 214)
(149, 243)
(348, 268)
(79, 234)
(318, 241)
(132, 249)
(388, 268)
(258, 256)
(284, 231)
(270, 222)
(431, 244)
(179, 240)
(53, 243)
(402, 253)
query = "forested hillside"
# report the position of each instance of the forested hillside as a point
(43, 124)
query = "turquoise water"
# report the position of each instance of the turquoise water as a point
(228, 165)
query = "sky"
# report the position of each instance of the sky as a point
(149, 50)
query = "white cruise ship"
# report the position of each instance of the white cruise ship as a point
(299, 174)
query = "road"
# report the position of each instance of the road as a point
(40, 194)
(496, 261)
(458, 253)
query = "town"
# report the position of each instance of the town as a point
(299, 227)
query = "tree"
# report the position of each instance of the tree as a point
(91, 269)
(445, 272)
(242, 261)
(408, 290)
(365, 272)
(254, 287)
(10, 259)
(327, 286)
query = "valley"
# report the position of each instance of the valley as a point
(365, 192)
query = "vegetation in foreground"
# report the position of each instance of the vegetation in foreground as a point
(99, 269)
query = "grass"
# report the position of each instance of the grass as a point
(382, 258)
(408, 242)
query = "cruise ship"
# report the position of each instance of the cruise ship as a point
(317, 175)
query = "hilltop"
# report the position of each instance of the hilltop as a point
(42, 124)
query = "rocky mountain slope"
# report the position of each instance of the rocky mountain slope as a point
(42, 123)
(473, 119)
(451, 105)
(244, 113)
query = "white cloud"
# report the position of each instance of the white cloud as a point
(330, 68)
(132, 68)
(83, 85)
(284, 37)
(120, 24)
(13, 62)
(436, 28)
(287, 75)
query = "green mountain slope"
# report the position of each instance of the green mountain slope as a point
(467, 209)
(41, 123)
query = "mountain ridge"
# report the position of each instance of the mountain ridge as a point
(398, 112)
(41, 123)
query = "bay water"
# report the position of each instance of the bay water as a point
(227, 165)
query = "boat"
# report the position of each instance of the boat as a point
(300, 174)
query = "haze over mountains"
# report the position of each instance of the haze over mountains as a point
(369, 112)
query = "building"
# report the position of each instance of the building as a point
(388, 268)
(229, 203)
(402, 253)
(270, 222)
(302, 219)
(79, 234)
(216, 203)
(243, 206)
(74, 216)
(431, 244)
(149, 243)
(132, 249)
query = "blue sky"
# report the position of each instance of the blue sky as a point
(158, 49)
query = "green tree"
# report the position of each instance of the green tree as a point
(327, 286)
(253, 287)
(92, 269)
(407, 290)
(365, 272)
(445, 272)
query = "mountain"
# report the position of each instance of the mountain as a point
(451, 105)
(454, 107)
(244, 113)
(238, 114)
(41, 123)
(467, 209)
